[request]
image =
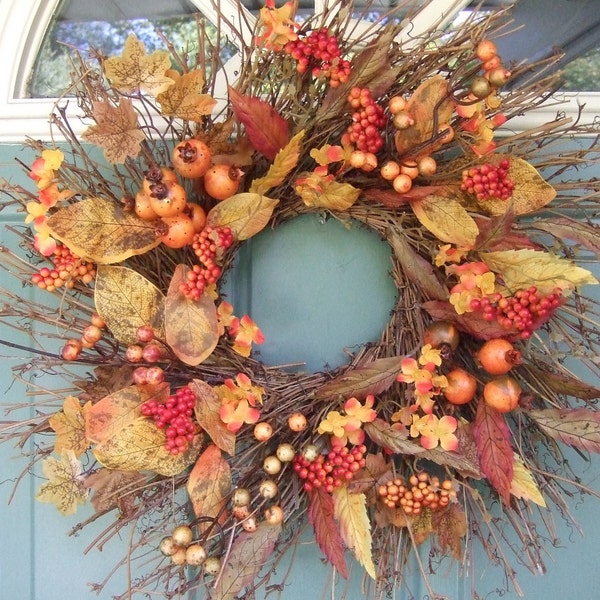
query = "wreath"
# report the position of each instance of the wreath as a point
(177, 424)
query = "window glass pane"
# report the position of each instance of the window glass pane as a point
(583, 73)
(85, 25)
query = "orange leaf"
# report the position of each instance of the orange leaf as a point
(209, 483)
(116, 131)
(208, 405)
(327, 535)
(267, 130)
(492, 437)
(191, 326)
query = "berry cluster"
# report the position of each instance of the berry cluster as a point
(524, 311)
(175, 417)
(68, 269)
(488, 181)
(320, 51)
(330, 471)
(368, 121)
(421, 491)
(208, 246)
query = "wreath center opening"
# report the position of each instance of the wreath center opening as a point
(318, 290)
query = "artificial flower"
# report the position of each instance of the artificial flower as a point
(277, 25)
(433, 431)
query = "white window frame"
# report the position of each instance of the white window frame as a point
(23, 24)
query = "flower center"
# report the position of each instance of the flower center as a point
(317, 290)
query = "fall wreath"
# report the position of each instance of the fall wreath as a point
(414, 440)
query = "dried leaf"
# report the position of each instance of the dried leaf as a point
(394, 440)
(450, 526)
(285, 160)
(577, 427)
(249, 554)
(114, 489)
(184, 99)
(191, 326)
(209, 483)
(140, 446)
(266, 129)
(523, 485)
(562, 381)
(444, 216)
(531, 191)
(317, 191)
(116, 131)
(99, 230)
(417, 269)
(126, 300)
(245, 214)
(521, 269)
(421, 525)
(327, 535)
(69, 426)
(105, 381)
(355, 528)
(492, 436)
(586, 235)
(365, 479)
(135, 70)
(64, 487)
(108, 416)
(206, 411)
(429, 104)
(373, 378)
(456, 460)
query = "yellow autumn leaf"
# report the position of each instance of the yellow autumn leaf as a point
(446, 218)
(69, 426)
(191, 326)
(125, 299)
(285, 160)
(116, 131)
(136, 70)
(64, 487)
(523, 484)
(521, 269)
(184, 99)
(324, 192)
(140, 446)
(350, 510)
(245, 214)
(100, 231)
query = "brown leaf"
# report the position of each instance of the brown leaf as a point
(578, 427)
(561, 381)
(209, 483)
(394, 440)
(114, 489)
(386, 196)
(126, 300)
(418, 270)
(191, 326)
(99, 230)
(135, 70)
(584, 234)
(429, 104)
(245, 214)
(107, 416)
(116, 131)
(184, 99)
(206, 411)
(327, 535)
(265, 127)
(456, 460)
(249, 554)
(450, 526)
(373, 378)
(444, 216)
(492, 436)
(105, 381)
(364, 479)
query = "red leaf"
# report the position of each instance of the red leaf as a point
(492, 436)
(267, 130)
(327, 535)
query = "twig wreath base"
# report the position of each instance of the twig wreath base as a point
(447, 431)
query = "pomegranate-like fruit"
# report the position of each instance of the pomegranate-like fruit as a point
(502, 393)
(498, 356)
(461, 386)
